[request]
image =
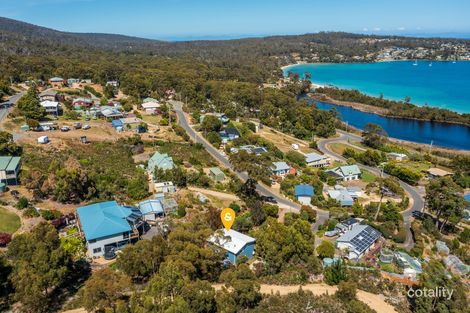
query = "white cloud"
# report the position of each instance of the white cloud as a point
(401, 28)
(376, 29)
(365, 29)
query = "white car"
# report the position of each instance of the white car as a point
(86, 126)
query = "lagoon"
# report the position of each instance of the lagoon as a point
(443, 84)
(440, 134)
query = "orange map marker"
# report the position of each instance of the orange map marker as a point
(228, 217)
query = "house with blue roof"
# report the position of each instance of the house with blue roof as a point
(161, 161)
(304, 193)
(234, 243)
(151, 210)
(108, 226)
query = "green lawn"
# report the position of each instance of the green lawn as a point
(339, 148)
(367, 176)
(9, 222)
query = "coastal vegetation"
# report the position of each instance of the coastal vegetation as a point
(402, 109)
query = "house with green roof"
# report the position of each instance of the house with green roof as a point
(9, 169)
(161, 161)
(345, 173)
(108, 226)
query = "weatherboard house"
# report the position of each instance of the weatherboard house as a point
(234, 243)
(9, 169)
(345, 173)
(161, 161)
(108, 226)
(358, 241)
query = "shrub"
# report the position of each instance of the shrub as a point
(5, 239)
(49, 215)
(308, 214)
(22, 203)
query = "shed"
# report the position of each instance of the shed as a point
(24, 127)
(117, 123)
(151, 210)
(304, 193)
(216, 174)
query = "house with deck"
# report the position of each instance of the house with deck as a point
(108, 226)
(51, 107)
(235, 244)
(317, 160)
(280, 169)
(345, 173)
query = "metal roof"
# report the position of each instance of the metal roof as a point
(303, 190)
(151, 206)
(105, 219)
(361, 237)
(231, 240)
(313, 157)
(9, 163)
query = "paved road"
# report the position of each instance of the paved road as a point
(322, 215)
(413, 192)
(13, 100)
(4, 111)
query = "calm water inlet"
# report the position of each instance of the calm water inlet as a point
(441, 134)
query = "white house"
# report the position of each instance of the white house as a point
(164, 187)
(52, 107)
(280, 169)
(317, 160)
(397, 156)
(358, 241)
(151, 107)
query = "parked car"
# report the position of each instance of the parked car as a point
(87, 118)
(269, 199)
(86, 126)
(77, 125)
(65, 128)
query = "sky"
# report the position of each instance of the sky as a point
(206, 19)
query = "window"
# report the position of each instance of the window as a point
(125, 235)
(92, 241)
(97, 250)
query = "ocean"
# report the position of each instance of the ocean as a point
(443, 84)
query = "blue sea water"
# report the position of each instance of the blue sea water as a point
(444, 84)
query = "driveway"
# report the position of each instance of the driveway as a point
(322, 215)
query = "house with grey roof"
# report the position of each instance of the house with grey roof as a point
(280, 169)
(9, 169)
(345, 173)
(316, 160)
(358, 241)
